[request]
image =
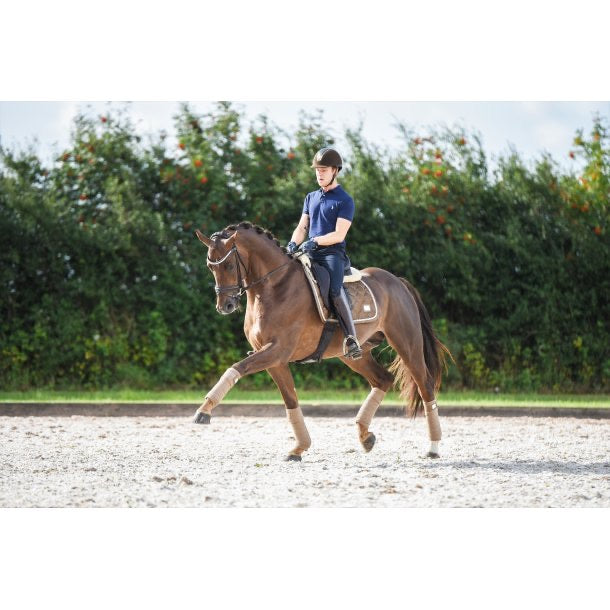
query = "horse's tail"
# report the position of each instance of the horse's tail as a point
(435, 354)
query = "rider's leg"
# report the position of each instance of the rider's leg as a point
(352, 347)
(335, 262)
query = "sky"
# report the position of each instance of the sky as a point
(531, 128)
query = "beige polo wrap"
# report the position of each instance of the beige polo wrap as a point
(434, 425)
(295, 417)
(369, 407)
(219, 391)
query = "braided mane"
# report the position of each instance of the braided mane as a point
(250, 226)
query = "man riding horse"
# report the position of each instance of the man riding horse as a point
(327, 216)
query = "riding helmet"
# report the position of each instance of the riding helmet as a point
(327, 157)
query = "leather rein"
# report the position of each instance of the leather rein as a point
(241, 286)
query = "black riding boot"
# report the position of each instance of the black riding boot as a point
(351, 347)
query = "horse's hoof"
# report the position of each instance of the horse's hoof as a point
(292, 457)
(202, 418)
(432, 454)
(369, 442)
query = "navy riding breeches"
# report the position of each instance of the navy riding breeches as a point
(336, 261)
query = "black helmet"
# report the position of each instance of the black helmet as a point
(327, 157)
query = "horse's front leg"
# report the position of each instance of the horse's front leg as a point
(283, 379)
(268, 356)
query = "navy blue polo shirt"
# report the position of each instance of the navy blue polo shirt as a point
(323, 209)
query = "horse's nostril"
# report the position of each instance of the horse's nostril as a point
(230, 307)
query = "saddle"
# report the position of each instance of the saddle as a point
(360, 296)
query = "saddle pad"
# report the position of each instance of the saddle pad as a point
(363, 303)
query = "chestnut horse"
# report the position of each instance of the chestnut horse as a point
(282, 325)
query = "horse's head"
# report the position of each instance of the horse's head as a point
(227, 266)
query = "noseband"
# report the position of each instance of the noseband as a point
(238, 289)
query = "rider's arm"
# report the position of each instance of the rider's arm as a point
(336, 236)
(301, 232)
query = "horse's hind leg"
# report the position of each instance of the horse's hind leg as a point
(283, 379)
(412, 365)
(381, 381)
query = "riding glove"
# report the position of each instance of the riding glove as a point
(308, 246)
(291, 248)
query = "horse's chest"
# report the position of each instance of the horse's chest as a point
(256, 325)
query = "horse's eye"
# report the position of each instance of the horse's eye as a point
(229, 266)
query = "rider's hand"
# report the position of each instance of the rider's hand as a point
(308, 246)
(291, 248)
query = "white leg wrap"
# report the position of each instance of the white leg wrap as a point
(369, 407)
(434, 425)
(434, 446)
(219, 391)
(295, 417)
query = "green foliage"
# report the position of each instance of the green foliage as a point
(103, 284)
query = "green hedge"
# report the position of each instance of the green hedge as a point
(103, 283)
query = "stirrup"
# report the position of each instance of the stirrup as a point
(355, 351)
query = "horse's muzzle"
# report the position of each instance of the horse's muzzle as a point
(228, 307)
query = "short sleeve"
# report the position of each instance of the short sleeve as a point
(346, 209)
(306, 205)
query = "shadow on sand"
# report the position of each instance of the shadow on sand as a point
(526, 466)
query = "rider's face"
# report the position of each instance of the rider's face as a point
(323, 175)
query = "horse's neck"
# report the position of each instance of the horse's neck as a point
(263, 259)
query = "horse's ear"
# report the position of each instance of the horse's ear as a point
(203, 239)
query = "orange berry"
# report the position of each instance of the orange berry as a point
(103, 119)
(203, 179)
(440, 219)
(461, 141)
(291, 155)
(83, 197)
(425, 171)
(181, 145)
(572, 155)
(259, 140)
(438, 173)
(434, 189)
(198, 163)
(597, 230)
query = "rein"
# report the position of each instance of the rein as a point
(240, 286)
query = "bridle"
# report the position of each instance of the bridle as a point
(241, 286)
